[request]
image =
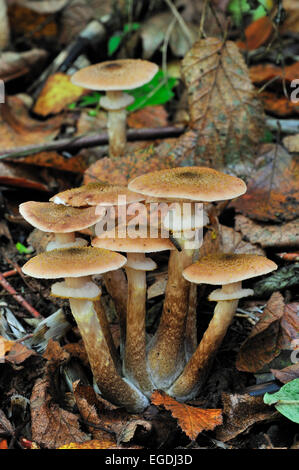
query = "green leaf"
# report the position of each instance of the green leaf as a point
(129, 27)
(286, 400)
(22, 249)
(237, 8)
(157, 91)
(114, 42)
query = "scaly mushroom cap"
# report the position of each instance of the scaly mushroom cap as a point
(73, 262)
(222, 269)
(132, 245)
(123, 74)
(195, 183)
(58, 218)
(97, 194)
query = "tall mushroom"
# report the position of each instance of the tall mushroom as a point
(200, 184)
(135, 366)
(228, 270)
(114, 77)
(77, 265)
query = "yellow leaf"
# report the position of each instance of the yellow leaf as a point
(57, 93)
(191, 420)
(107, 443)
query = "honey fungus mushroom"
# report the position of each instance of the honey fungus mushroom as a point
(135, 364)
(77, 265)
(114, 77)
(227, 270)
(166, 355)
(61, 220)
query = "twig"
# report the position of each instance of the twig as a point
(287, 126)
(9, 273)
(85, 141)
(182, 23)
(8, 287)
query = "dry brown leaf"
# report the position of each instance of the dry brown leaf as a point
(278, 105)
(57, 93)
(263, 73)
(264, 341)
(232, 242)
(52, 426)
(287, 374)
(75, 164)
(21, 176)
(268, 235)
(291, 22)
(240, 413)
(290, 325)
(17, 128)
(291, 142)
(191, 420)
(19, 353)
(224, 109)
(16, 64)
(5, 425)
(4, 26)
(3, 444)
(150, 116)
(273, 191)
(257, 34)
(26, 22)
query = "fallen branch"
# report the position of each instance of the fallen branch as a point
(76, 143)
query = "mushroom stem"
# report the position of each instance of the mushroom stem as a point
(117, 122)
(135, 367)
(113, 387)
(117, 287)
(166, 356)
(191, 323)
(63, 238)
(189, 382)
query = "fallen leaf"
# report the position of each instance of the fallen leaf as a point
(291, 21)
(257, 34)
(240, 413)
(150, 116)
(273, 190)
(278, 105)
(75, 164)
(4, 27)
(19, 353)
(192, 420)
(287, 374)
(3, 444)
(51, 425)
(17, 128)
(283, 278)
(16, 64)
(21, 176)
(267, 235)
(263, 343)
(291, 142)
(262, 73)
(26, 22)
(289, 325)
(224, 109)
(232, 242)
(107, 443)
(58, 91)
(6, 427)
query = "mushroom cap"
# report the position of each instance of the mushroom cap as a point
(58, 218)
(123, 74)
(97, 194)
(195, 183)
(131, 245)
(73, 262)
(221, 269)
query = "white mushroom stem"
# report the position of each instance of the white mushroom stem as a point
(66, 240)
(135, 367)
(166, 355)
(189, 382)
(116, 389)
(116, 102)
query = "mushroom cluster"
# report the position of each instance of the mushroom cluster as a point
(168, 360)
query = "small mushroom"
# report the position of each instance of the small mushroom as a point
(135, 366)
(195, 184)
(77, 265)
(228, 270)
(63, 221)
(114, 77)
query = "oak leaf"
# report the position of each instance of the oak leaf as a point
(191, 420)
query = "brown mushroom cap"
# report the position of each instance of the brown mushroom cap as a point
(73, 262)
(221, 269)
(132, 245)
(93, 194)
(58, 218)
(195, 183)
(123, 74)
